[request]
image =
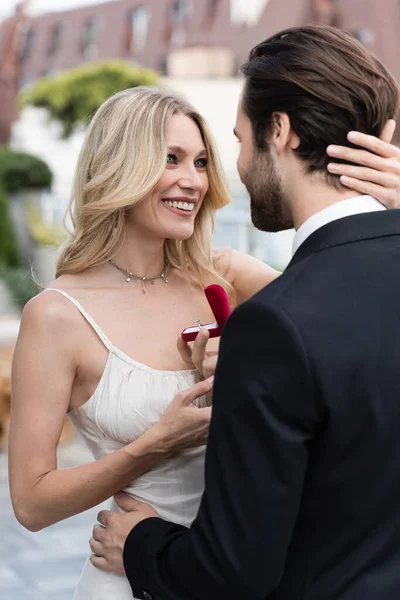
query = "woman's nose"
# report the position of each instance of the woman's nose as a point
(191, 179)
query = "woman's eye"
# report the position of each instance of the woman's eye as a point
(171, 159)
(201, 163)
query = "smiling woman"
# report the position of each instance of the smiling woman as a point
(124, 162)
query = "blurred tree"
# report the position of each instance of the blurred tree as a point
(20, 171)
(8, 245)
(73, 96)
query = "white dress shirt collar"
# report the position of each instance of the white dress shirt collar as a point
(344, 208)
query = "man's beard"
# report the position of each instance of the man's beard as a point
(269, 207)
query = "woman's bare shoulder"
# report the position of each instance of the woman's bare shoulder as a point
(51, 309)
(248, 275)
(222, 258)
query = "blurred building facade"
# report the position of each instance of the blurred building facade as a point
(179, 38)
(10, 70)
(191, 37)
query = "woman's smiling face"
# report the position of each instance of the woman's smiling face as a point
(170, 211)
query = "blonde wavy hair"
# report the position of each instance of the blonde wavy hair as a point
(120, 163)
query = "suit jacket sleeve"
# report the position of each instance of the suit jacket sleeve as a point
(264, 417)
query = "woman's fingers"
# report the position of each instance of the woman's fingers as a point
(374, 144)
(184, 350)
(200, 348)
(376, 165)
(210, 365)
(359, 157)
(388, 197)
(191, 394)
(388, 130)
(366, 174)
(375, 153)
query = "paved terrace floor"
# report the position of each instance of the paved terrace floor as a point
(44, 565)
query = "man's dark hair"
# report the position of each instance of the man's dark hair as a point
(326, 81)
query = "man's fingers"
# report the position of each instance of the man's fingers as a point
(103, 517)
(196, 391)
(388, 130)
(184, 350)
(127, 503)
(98, 532)
(99, 562)
(96, 547)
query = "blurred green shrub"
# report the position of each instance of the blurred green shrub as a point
(73, 96)
(19, 170)
(8, 244)
(20, 283)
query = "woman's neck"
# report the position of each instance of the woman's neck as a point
(141, 255)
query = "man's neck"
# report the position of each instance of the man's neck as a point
(310, 198)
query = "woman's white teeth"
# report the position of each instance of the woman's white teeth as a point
(182, 205)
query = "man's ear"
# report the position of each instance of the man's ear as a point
(283, 136)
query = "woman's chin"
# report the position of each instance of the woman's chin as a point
(180, 233)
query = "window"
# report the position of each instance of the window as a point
(55, 39)
(89, 37)
(139, 19)
(180, 10)
(27, 41)
(213, 6)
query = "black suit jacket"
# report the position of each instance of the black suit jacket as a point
(302, 498)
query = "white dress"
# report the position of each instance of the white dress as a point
(129, 399)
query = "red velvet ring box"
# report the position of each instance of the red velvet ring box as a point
(219, 303)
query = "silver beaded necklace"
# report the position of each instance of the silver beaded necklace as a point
(143, 280)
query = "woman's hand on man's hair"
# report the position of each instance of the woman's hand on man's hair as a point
(377, 167)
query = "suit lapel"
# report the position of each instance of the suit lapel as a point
(348, 230)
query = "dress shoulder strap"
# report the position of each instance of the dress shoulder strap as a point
(86, 316)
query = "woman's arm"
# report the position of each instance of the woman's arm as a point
(44, 368)
(246, 274)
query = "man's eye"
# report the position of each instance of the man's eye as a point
(201, 163)
(171, 159)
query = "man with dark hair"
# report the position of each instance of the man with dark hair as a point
(302, 470)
